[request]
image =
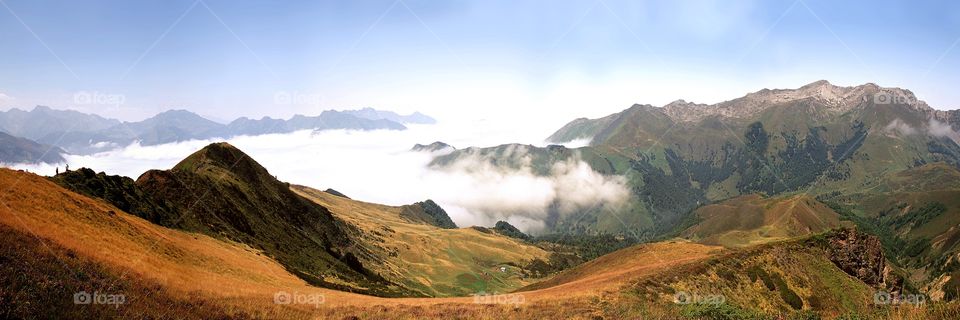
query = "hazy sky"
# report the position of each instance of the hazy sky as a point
(460, 59)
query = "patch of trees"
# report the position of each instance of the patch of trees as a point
(914, 218)
(801, 162)
(944, 149)
(669, 197)
(589, 247)
(507, 229)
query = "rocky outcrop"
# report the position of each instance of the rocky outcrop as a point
(427, 212)
(507, 229)
(861, 256)
(120, 191)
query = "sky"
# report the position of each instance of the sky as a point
(490, 60)
(491, 72)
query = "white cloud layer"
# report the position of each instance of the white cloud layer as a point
(487, 193)
(934, 128)
(377, 166)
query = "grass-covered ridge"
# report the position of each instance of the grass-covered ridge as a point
(222, 192)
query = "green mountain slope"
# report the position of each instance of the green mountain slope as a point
(917, 214)
(878, 156)
(817, 139)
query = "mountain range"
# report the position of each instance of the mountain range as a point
(21, 150)
(79, 133)
(809, 203)
(876, 156)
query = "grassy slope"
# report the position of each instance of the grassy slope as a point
(40, 277)
(580, 129)
(222, 277)
(435, 261)
(752, 219)
(609, 270)
(184, 263)
(222, 192)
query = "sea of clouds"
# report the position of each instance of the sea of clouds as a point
(378, 166)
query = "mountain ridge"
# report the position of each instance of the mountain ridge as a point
(836, 99)
(844, 149)
(15, 149)
(81, 133)
(242, 202)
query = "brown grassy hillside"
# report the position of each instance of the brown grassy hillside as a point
(57, 241)
(753, 219)
(436, 261)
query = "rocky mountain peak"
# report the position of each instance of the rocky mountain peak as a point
(225, 158)
(835, 98)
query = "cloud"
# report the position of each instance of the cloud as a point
(514, 192)
(577, 143)
(942, 129)
(377, 166)
(5, 98)
(934, 128)
(898, 126)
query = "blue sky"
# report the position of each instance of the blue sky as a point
(461, 59)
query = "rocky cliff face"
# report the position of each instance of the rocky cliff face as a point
(861, 255)
(836, 98)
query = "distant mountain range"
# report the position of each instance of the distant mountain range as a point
(80, 133)
(374, 114)
(21, 150)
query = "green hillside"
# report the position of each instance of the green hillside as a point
(222, 192)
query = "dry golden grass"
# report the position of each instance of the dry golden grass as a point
(608, 273)
(189, 264)
(751, 219)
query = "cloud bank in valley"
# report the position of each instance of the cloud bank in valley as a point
(378, 166)
(516, 193)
